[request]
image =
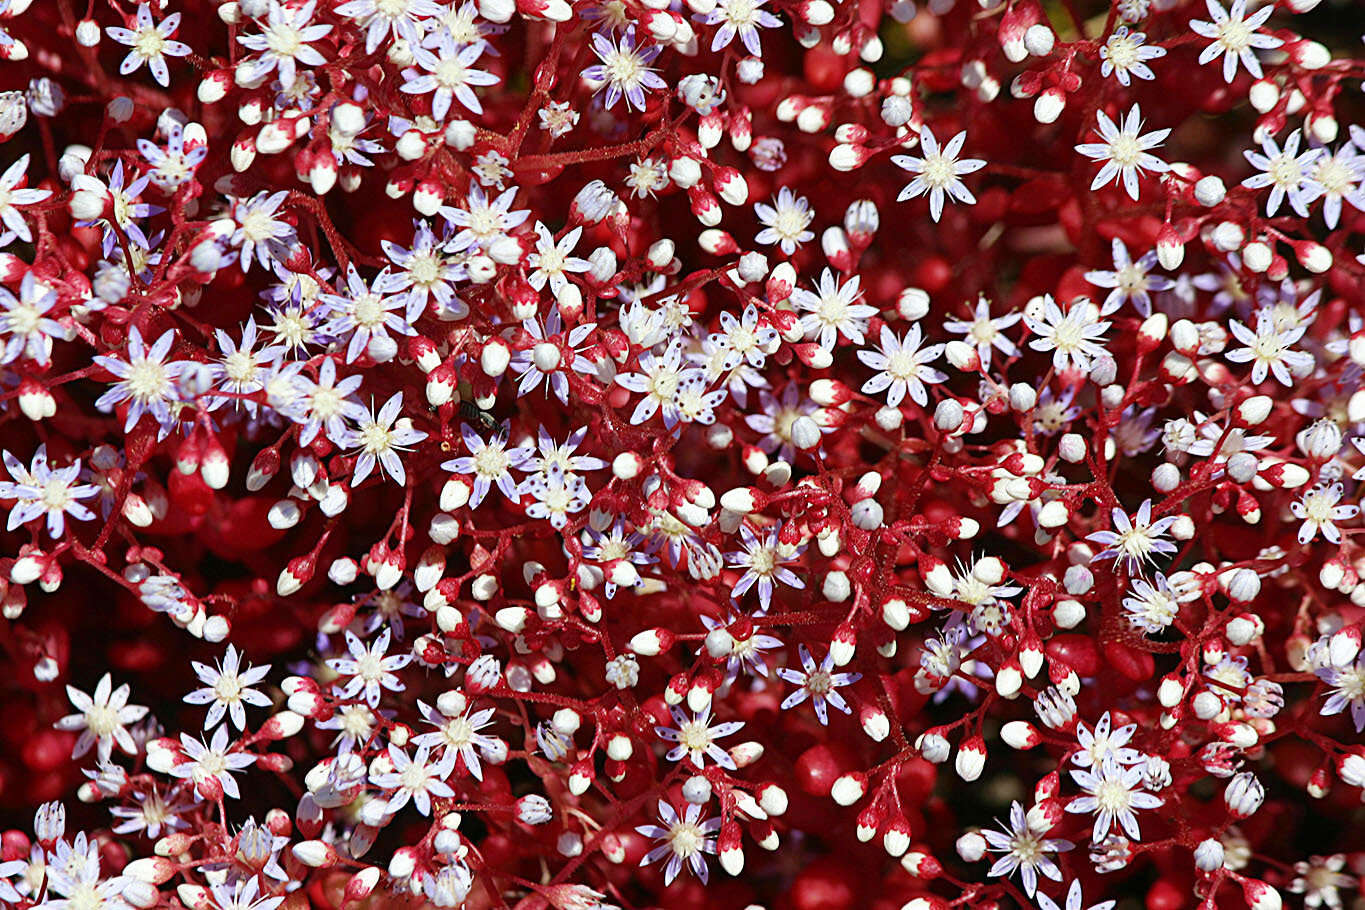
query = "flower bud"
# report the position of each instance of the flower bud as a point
(1020, 734)
(933, 747)
(1048, 106)
(971, 758)
(1208, 856)
(971, 847)
(1244, 794)
(847, 789)
(1209, 191)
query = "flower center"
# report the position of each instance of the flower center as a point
(1124, 150)
(491, 461)
(686, 839)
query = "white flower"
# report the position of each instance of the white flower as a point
(818, 683)
(696, 739)
(551, 259)
(938, 173)
(904, 367)
(1318, 510)
(1115, 795)
(1073, 337)
(623, 671)
(146, 381)
(450, 886)
(482, 221)
(1125, 151)
(692, 403)
(102, 718)
(1126, 54)
(228, 688)
(557, 118)
(1130, 281)
(1134, 541)
(1348, 683)
(490, 462)
(686, 840)
(243, 896)
(1269, 348)
(624, 70)
(1286, 172)
(556, 495)
(150, 44)
(743, 18)
(1104, 742)
(1151, 606)
(40, 490)
(260, 229)
(380, 440)
(762, 559)
(1319, 879)
(11, 197)
(369, 668)
(212, 764)
(449, 75)
(1074, 900)
(1340, 175)
(985, 332)
(402, 19)
(1234, 37)
(284, 43)
(658, 380)
(1025, 850)
(833, 310)
(415, 778)
(458, 734)
(785, 221)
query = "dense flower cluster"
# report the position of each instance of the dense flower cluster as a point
(672, 453)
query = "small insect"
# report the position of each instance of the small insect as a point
(471, 412)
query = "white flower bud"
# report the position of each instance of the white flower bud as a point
(971, 847)
(1023, 396)
(912, 304)
(948, 415)
(1351, 769)
(1210, 190)
(1207, 705)
(1049, 105)
(411, 145)
(1242, 467)
(697, 790)
(1228, 236)
(847, 789)
(1078, 580)
(805, 433)
(1244, 794)
(1321, 439)
(1255, 409)
(1208, 856)
(753, 267)
(1019, 734)
(1068, 613)
(1165, 477)
(1257, 255)
(859, 82)
(1072, 448)
(87, 33)
(897, 110)
(1244, 586)
(970, 761)
(1039, 40)
(933, 748)
(867, 513)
